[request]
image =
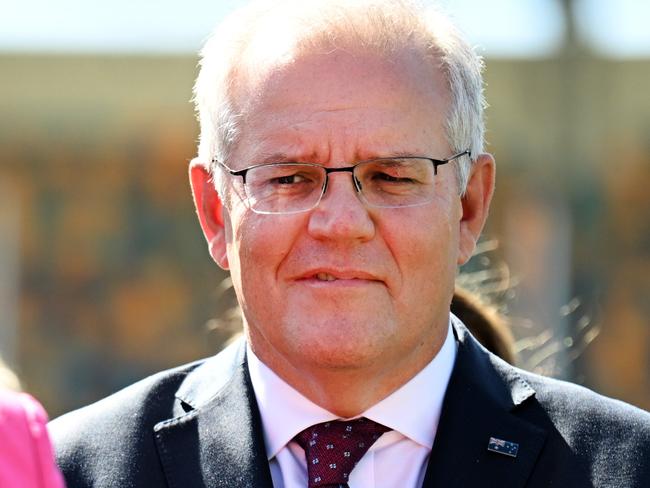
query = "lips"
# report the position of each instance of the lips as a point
(329, 275)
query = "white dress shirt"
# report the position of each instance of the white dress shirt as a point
(398, 458)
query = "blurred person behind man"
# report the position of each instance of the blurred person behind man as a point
(485, 323)
(341, 178)
(26, 459)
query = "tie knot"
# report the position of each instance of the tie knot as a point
(334, 448)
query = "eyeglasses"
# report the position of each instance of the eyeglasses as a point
(288, 187)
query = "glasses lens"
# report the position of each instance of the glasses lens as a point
(284, 187)
(396, 182)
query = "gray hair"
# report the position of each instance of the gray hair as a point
(237, 46)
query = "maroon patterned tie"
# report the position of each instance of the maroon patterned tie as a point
(334, 448)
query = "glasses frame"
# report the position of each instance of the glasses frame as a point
(346, 169)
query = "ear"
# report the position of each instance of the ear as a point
(475, 205)
(210, 211)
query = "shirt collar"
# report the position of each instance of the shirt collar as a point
(414, 409)
(285, 412)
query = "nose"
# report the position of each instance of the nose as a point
(341, 215)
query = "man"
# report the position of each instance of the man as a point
(341, 180)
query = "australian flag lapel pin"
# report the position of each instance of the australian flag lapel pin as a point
(500, 446)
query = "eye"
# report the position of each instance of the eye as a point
(398, 171)
(284, 177)
(384, 176)
(289, 179)
(392, 171)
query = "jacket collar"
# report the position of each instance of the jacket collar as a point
(484, 401)
(206, 381)
(216, 440)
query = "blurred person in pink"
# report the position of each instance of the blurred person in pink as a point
(26, 459)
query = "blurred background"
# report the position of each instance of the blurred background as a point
(104, 275)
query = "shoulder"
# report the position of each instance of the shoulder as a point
(149, 394)
(134, 407)
(115, 431)
(602, 438)
(569, 407)
(586, 436)
(575, 409)
(112, 441)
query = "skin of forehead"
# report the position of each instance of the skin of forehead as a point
(254, 83)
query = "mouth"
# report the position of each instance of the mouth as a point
(344, 278)
(325, 277)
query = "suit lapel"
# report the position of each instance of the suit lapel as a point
(481, 402)
(216, 439)
(219, 441)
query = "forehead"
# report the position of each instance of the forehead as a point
(357, 105)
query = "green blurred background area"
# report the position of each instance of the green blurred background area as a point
(104, 274)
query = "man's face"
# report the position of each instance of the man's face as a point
(346, 286)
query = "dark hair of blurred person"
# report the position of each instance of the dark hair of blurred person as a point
(485, 323)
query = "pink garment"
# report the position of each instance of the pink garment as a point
(26, 459)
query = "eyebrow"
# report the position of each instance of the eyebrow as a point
(279, 157)
(402, 154)
(276, 157)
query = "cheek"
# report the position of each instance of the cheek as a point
(426, 234)
(425, 255)
(240, 252)
(260, 244)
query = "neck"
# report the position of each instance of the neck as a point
(348, 392)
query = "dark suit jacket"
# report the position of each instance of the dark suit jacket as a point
(199, 426)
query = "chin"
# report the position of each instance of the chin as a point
(343, 344)
(340, 360)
